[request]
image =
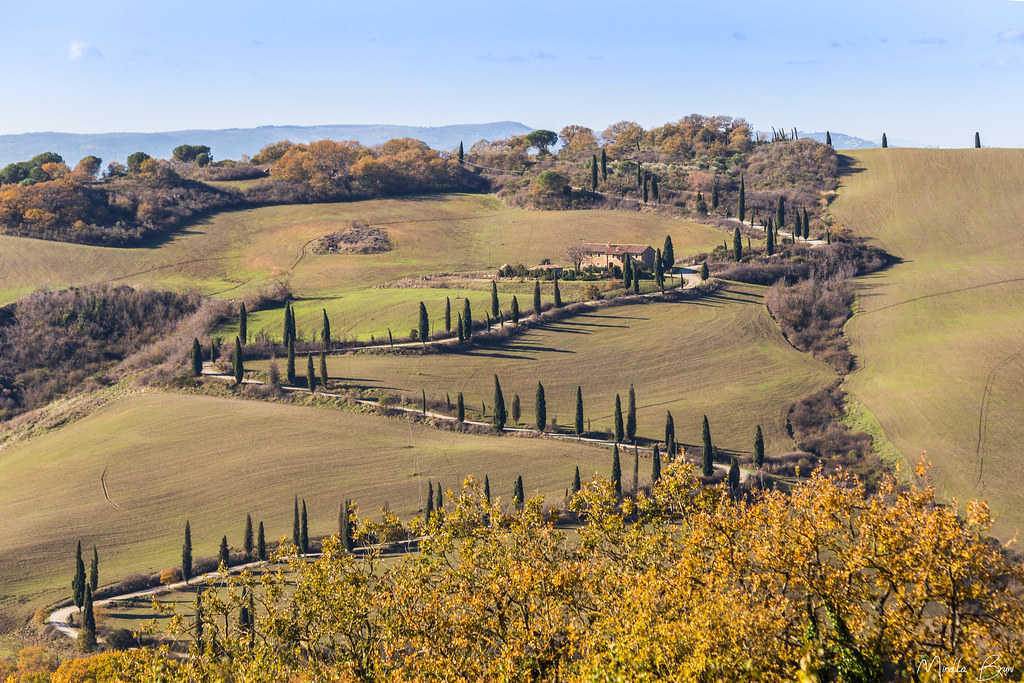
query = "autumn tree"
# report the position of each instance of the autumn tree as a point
(623, 138)
(540, 408)
(499, 415)
(272, 152)
(577, 139)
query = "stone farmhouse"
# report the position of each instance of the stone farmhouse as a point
(606, 255)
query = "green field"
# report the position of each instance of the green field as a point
(171, 457)
(235, 252)
(721, 355)
(938, 336)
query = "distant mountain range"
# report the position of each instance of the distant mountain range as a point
(232, 143)
(842, 140)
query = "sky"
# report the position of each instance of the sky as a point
(932, 72)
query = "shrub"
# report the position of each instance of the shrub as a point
(170, 575)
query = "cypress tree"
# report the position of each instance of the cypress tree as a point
(639, 180)
(704, 272)
(654, 189)
(199, 620)
(977, 140)
(536, 297)
(576, 486)
(261, 543)
(828, 138)
(500, 416)
(291, 322)
(94, 570)
(515, 311)
(659, 276)
(78, 582)
(670, 435)
(295, 525)
(668, 254)
(197, 358)
(758, 448)
(619, 431)
(462, 153)
(737, 245)
(540, 408)
(247, 538)
(186, 554)
(460, 329)
(516, 412)
(224, 557)
(290, 363)
(780, 211)
(645, 188)
(616, 471)
(487, 489)
(424, 401)
(467, 320)
(439, 502)
(304, 530)
(460, 408)
(631, 415)
(885, 141)
(517, 493)
(579, 411)
(769, 236)
(447, 314)
(636, 283)
(323, 369)
(213, 350)
(243, 328)
(424, 328)
(734, 475)
(89, 618)
(558, 293)
(495, 309)
(708, 456)
(286, 328)
(627, 271)
(700, 206)
(655, 464)
(310, 373)
(325, 330)
(348, 528)
(714, 195)
(237, 362)
(430, 499)
(593, 174)
(742, 208)
(604, 165)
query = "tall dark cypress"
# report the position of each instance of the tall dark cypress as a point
(646, 195)
(447, 314)
(237, 362)
(734, 475)
(79, 584)
(668, 254)
(304, 530)
(261, 543)
(636, 283)
(619, 431)
(247, 545)
(186, 554)
(224, 555)
(430, 499)
(655, 464)
(654, 189)
(807, 225)
(670, 435)
(467, 320)
(593, 174)
(290, 362)
(518, 496)
(348, 528)
(536, 297)
(576, 485)
(439, 502)
(461, 408)
(94, 570)
(704, 272)
(737, 245)
(627, 271)
(325, 329)
(323, 369)
(461, 329)
(616, 471)
(579, 411)
(758, 448)
(495, 308)
(516, 409)
(243, 327)
(639, 178)
(286, 327)
(769, 237)
(885, 141)
(88, 618)
(742, 208)
(780, 211)
(423, 393)
(828, 138)
(540, 408)
(659, 277)
(197, 358)
(500, 416)
(296, 534)
(462, 153)
(424, 327)
(977, 140)
(631, 415)
(558, 293)
(604, 165)
(515, 311)
(714, 195)
(310, 373)
(487, 489)
(708, 456)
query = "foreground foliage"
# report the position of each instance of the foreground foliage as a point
(683, 583)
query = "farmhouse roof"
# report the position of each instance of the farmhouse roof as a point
(615, 249)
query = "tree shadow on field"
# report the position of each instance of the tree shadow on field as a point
(498, 355)
(530, 347)
(591, 316)
(718, 300)
(848, 165)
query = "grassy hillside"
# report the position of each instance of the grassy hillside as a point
(938, 336)
(722, 356)
(234, 252)
(169, 458)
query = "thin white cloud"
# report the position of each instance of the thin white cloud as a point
(79, 51)
(1011, 35)
(931, 40)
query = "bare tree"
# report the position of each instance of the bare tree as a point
(575, 253)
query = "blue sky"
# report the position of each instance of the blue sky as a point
(932, 72)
